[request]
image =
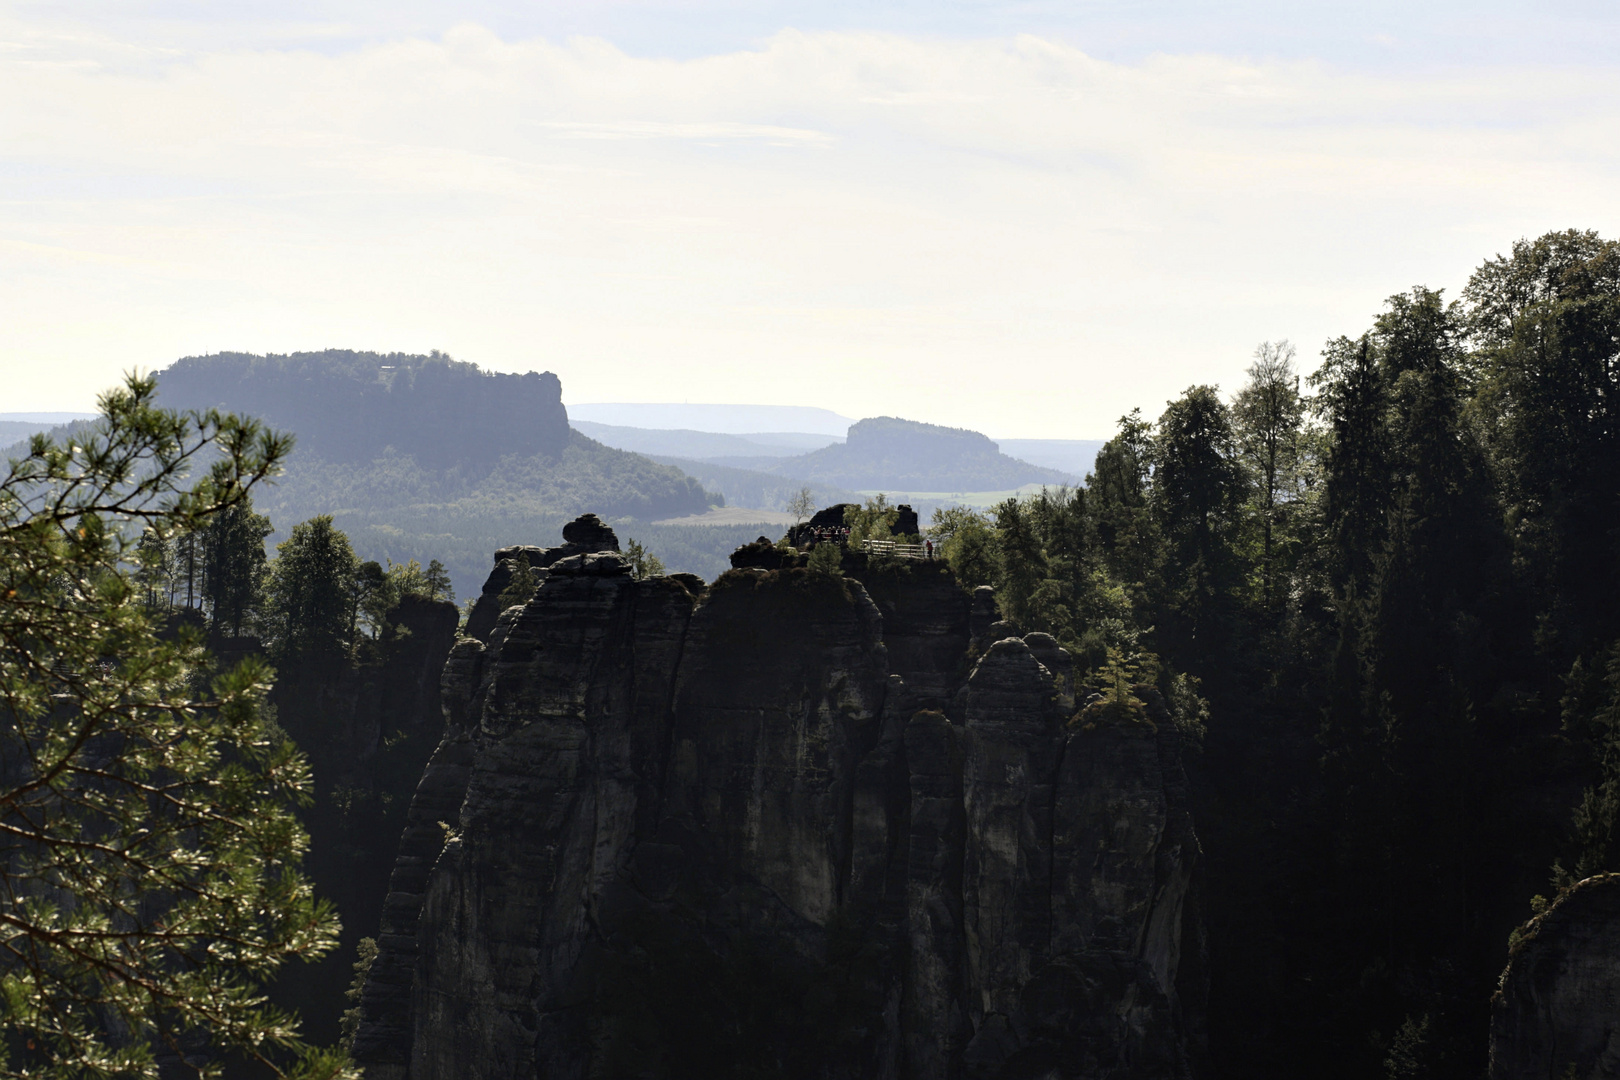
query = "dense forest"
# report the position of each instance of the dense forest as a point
(1390, 595)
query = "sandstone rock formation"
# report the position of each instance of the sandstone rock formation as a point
(788, 826)
(584, 535)
(1558, 1012)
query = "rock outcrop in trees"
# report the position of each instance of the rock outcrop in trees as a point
(1555, 1015)
(793, 823)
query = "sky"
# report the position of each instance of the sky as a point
(1025, 218)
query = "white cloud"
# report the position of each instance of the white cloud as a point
(1007, 234)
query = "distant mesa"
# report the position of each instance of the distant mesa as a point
(905, 455)
(348, 406)
(429, 457)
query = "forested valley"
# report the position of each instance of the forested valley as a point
(1379, 602)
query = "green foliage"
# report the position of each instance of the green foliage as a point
(965, 539)
(874, 521)
(313, 601)
(436, 580)
(366, 955)
(1407, 1057)
(524, 584)
(1268, 415)
(375, 596)
(643, 564)
(1544, 321)
(1592, 708)
(827, 559)
(1127, 533)
(394, 507)
(1199, 490)
(150, 882)
(1188, 708)
(1116, 680)
(234, 567)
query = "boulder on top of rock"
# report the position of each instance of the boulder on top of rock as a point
(1057, 660)
(585, 535)
(905, 522)
(587, 531)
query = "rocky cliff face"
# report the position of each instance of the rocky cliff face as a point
(1558, 1012)
(783, 826)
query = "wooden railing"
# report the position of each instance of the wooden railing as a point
(891, 547)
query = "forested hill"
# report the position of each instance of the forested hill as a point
(426, 457)
(887, 452)
(348, 406)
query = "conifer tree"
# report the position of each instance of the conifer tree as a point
(1199, 488)
(235, 567)
(149, 872)
(312, 598)
(1267, 414)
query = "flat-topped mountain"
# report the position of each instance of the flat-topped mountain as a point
(351, 406)
(905, 455)
(428, 457)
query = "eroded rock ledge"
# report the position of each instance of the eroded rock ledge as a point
(790, 824)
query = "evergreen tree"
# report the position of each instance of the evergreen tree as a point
(1268, 413)
(437, 579)
(1199, 489)
(523, 585)
(1022, 563)
(1353, 398)
(235, 568)
(1127, 541)
(312, 597)
(643, 564)
(190, 561)
(375, 595)
(1546, 321)
(150, 880)
(154, 571)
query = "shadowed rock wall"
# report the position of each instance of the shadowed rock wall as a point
(741, 831)
(1558, 1012)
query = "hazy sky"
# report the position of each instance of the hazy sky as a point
(1024, 218)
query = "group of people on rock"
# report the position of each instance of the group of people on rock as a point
(838, 534)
